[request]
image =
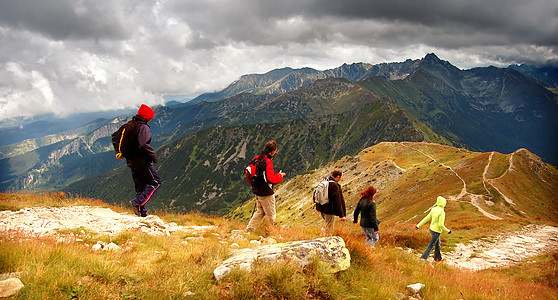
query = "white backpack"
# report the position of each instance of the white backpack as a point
(321, 191)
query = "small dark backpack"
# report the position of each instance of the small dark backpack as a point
(125, 140)
(255, 171)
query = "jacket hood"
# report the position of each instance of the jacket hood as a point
(441, 201)
(146, 112)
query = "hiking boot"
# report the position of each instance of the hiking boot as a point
(135, 208)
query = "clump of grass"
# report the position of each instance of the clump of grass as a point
(540, 269)
(17, 201)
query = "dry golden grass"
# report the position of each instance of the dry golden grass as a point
(19, 200)
(175, 267)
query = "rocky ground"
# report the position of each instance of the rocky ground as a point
(503, 250)
(52, 221)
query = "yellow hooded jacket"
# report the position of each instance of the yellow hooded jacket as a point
(436, 216)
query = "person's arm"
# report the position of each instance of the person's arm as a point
(336, 199)
(270, 174)
(426, 219)
(356, 213)
(144, 136)
(373, 216)
(442, 221)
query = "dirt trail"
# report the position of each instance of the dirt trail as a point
(505, 249)
(475, 199)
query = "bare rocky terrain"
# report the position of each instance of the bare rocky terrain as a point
(503, 250)
(52, 221)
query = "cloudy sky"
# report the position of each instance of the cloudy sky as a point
(68, 56)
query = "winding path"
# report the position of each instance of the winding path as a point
(475, 199)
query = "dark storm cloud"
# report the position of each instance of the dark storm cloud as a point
(64, 19)
(260, 22)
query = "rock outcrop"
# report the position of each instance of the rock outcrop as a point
(330, 251)
(48, 221)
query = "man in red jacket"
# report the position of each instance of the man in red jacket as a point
(335, 206)
(263, 187)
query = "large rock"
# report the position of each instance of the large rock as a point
(330, 251)
(10, 287)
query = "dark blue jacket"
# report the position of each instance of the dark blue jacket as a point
(147, 155)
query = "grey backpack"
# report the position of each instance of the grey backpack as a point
(321, 191)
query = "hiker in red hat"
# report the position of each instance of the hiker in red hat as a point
(146, 179)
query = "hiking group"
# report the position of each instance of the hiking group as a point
(132, 142)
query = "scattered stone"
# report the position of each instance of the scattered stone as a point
(330, 251)
(100, 245)
(10, 287)
(111, 247)
(269, 241)
(414, 289)
(189, 294)
(236, 236)
(235, 246)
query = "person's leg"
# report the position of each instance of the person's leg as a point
(139, 186)
(151, 183)
(257, 217)
(327, 228)
(437, 249)
(433, 239)
(268, 206)
(375, 237)
(368, 234)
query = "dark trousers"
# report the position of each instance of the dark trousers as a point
(434, 243)
(147, 182)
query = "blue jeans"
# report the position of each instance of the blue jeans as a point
(371, 237)
(434, 242)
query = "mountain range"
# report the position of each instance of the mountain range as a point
(317, 117)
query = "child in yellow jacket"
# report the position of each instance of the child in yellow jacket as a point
(436, 217)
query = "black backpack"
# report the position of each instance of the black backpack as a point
(125, 140)
(255, 171)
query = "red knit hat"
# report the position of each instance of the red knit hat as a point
(146, 112)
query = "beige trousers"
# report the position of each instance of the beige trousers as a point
(327, 228)
(265, 207)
